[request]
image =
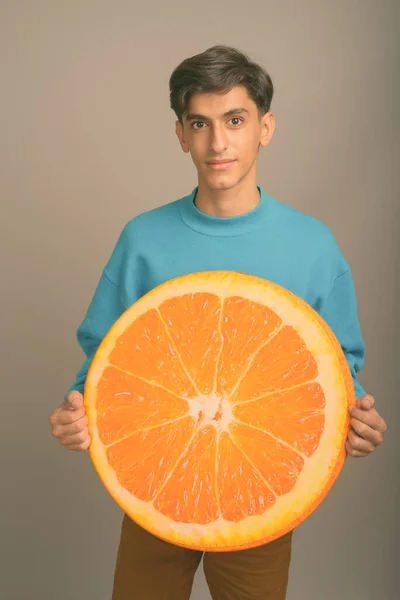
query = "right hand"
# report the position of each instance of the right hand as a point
(70, 423)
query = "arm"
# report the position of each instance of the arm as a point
(105, 308)
(367, 427)
(69, 421)
(339, 310)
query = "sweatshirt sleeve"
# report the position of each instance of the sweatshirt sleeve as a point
(340, 312)
(104, 309)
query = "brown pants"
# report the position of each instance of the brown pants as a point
(150, 569)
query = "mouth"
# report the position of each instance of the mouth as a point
(220, 166)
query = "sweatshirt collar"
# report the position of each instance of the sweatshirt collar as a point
(223, 226)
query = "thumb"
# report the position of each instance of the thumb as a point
(74, 400)
(366, 402)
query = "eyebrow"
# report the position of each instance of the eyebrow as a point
(228, 113)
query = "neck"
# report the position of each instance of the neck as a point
(227, 202)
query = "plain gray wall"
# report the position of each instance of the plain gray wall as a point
(87, 142)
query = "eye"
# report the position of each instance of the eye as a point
(196, 122)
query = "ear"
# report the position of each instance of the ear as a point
(267, 128)
(179, 133)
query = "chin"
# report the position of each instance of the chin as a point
(220, 179)
(224, 186)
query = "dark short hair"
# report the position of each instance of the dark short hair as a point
(217, 70)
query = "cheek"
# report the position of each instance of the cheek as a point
(247, 145)
(198, 151)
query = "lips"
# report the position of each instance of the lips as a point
(219, 162)
(221, 166)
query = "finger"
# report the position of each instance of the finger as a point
(65, 417)
(76, 426)
(82, 446)
(369, 417)
(76, 439)
(366, 402)
(63, 431)
(358, 443)
(74, 400)
(354, 453)
(366, 432)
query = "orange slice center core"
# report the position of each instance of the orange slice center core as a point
(211, 410)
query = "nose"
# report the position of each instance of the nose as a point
(218, 142)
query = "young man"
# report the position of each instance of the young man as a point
(222, 102)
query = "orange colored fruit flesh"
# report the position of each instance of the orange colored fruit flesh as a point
(217, 407)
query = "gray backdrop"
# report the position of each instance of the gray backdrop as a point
(87, 142)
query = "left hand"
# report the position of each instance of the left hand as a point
(367, 428)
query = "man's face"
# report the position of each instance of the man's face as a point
(208, 134)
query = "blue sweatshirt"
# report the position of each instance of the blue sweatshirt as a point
(273, 241)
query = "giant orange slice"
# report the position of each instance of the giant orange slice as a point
(217, 407)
